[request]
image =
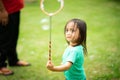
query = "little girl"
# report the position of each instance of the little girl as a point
(73, 57)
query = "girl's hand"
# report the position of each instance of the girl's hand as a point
(50, 65)
(59, 68)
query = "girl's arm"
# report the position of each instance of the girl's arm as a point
(60, 68)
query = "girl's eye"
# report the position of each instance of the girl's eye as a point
(66, 30)
(72, 31)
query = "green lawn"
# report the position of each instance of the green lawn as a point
(103, 39)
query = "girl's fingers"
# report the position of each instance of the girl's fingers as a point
(49, 61)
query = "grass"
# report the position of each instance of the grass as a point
(102, 18)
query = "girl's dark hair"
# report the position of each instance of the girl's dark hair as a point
(81, 25)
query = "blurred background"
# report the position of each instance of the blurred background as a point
(103, 38)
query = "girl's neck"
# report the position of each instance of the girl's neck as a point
(73, 44)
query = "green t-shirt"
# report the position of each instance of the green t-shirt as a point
(76, 56)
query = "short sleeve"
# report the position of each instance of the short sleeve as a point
(72, 56)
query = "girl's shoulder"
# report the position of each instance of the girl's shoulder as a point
(78, 48)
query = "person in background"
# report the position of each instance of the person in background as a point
(73, 57)
(9, 33)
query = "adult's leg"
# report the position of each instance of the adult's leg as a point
(4, 45)
(2, 59)
(14, 33)
(4, 41)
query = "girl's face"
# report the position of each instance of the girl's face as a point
(72, 33)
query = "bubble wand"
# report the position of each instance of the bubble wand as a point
(50, 19)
